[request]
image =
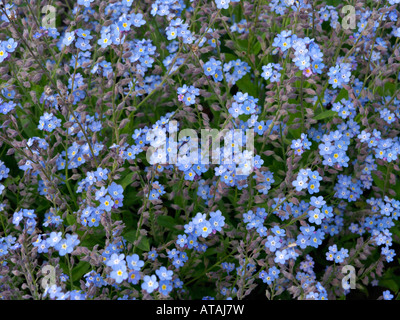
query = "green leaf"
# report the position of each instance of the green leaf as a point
(390, 88)
(379, 182)
(257, 48)
(210, 252)
(390, 284)
(92, 240)
(130, 236)
(81, 268)
(246, 85)
(27, 125)
(144, 244)
(127, 180)
(343, 94)
(325, 114)
(241, 44)
(166, 222)
(71, 219)
(230, 57)
(128, 218)
(390, 281)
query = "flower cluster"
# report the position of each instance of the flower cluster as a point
(339, 75)
(188, 94)
(198, 149)
(179, 29)
(213, 68)
(337, 255)
(307, 54)
(197, 229)
(27, 217)
(300, 145)
(238, 68)
(7, 47)
(333, 148)
(271, 72)
(308, 179)
(49, 122)
(386, 149)
(345, 109)
(224, 4)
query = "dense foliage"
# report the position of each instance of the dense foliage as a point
(105, 193)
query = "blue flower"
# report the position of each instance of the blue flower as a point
(83, 44)
(165, 287)
(164, 274)
(134, 277)
(181, 241)
(10, 45)
(281, 256)
(204, 228)
(119, 273)
(217, 220)
(85, 3)
(69, 37)
(303, 241)
(105, 40)
(84, 34)
(106, 203)
(300, 183)
(317, 201)
(315, 216)
(48, 122)
(134, 263)
(273, 243)
(54, 239)
(387, 295)
(149, 283)
(313, 186)
(316, 238)
(137, 19)
(222, 4)
(115, 260)
(115, 191)
(63, 247)
(278, 231)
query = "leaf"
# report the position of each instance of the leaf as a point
(92, 240)
(81, 268)
(390, 284)
(390, 280)
(325, 114)
(130, 236)
(71, 219)
(241, 44)
(378, 182)
(144, 244)
(166, 222)
(343, 94)
(230, 57)
(246, 85)
(127, 180)
(257, 48)
(210, 252)
(128, 218)
(27, 125)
